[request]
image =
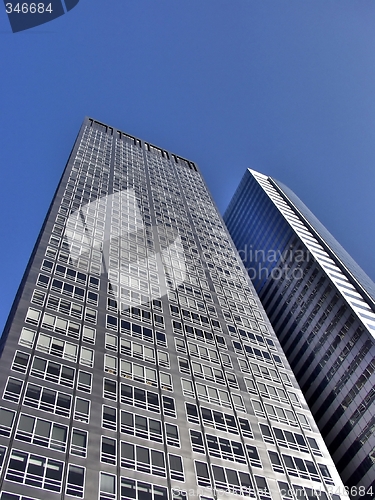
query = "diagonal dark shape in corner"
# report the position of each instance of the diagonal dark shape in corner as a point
(27, 14)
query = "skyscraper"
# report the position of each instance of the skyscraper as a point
(321, 306)
(137, 361)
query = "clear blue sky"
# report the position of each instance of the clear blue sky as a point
(286, 87)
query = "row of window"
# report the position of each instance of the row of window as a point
(61, 326)
(198, 334)
(135, 350)
(130, 489)
(139, 373)
(212, 395)
(44, 473)
(139, 398)
(33, 316)
(47, 400)
(207, 372)
(141, 459)
(253, 352)
(298, 467)
(140, 426)
(138, 331)
(281, 415)
(68, 289)
(288, 439)
(224, 448)
(71, 274)
(202, 352)
(112, 322)
(232, 481)
(40, 432)
(53, 372)
(56, 347)
(218, 420)
(272, 392)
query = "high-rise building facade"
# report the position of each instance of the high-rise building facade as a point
(321, 306)
(137, 362)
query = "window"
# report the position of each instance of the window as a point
(166, 381)
(33, 316)
(108, 451)
(110, 389)
(325, 473)
(42, 432)
(139, 351)
(107, 487)
(245, 427)
(75, 481)
(53, 372)
(271, 392)
(213, 395)
(20, 362)
(64, 306)
(281, 415)
(291, 440)
(141, 332)
(225, 358)
(203, 476)
(142, 459)
(78, 445)
(87, 357)
(163, 359)
(262, 488)
(208, 373)
(253, 455)
(84, 381)
(56, 347)
(139, 373)
(34, 470)
(139, 490)
(265, 372)
(304, 469)
(176, 468)
(143, 427)
(198, 334)
(14, 496)
(82, 410)
(140, 398)
(314, 446)
(60, 325)
(109, 418)
(180, 345)
(47, 400)
(13, 389)
(304, 421)
(27, 338)
(233, 481)
(88, 334)
(2, 456)
(6, 421)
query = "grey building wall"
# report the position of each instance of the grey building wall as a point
(137, 361)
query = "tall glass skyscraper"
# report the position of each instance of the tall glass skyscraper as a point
(137, 362)
(321, 306)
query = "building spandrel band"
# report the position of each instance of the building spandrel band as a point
(321, 306)
(137, 361)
